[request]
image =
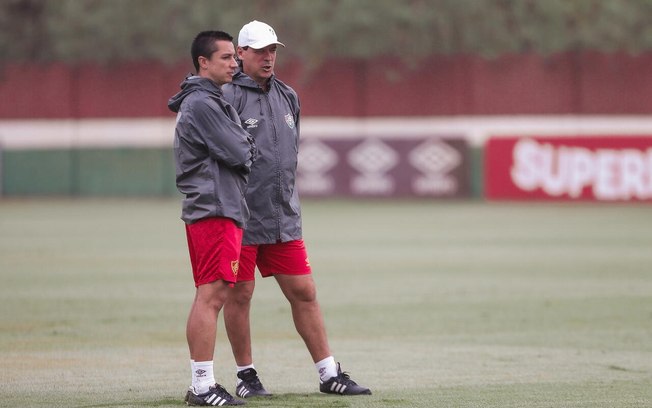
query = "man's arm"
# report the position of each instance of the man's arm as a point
(227, 141)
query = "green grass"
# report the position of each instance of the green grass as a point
(431, 304)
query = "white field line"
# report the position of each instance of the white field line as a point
(158, 132)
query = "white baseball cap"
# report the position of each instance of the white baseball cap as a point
(257, 35)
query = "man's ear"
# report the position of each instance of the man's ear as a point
(203, 62)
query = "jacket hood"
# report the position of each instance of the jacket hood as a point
(242, 79)
(190, 85)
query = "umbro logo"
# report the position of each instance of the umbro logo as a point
(251, 123)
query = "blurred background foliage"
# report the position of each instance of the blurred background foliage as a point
(75, 31)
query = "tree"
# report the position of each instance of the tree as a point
(118, 30)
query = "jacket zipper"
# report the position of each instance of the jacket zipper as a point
(277, 158)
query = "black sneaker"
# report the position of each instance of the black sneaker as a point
(342, 384)
(250, 385)
(216, 396)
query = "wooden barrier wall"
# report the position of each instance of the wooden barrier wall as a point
(586, 83)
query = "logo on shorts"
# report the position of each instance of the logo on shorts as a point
(235, 265)
(307, 263)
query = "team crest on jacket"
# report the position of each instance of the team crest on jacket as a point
(289, 120)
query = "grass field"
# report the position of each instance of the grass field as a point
(431, 304)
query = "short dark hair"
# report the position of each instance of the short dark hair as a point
(204, 45)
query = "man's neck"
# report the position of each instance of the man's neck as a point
(264, 85)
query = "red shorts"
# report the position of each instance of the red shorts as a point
(214, 245)
(285, 258)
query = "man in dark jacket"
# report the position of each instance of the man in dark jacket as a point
(213, 156)
(269, 110)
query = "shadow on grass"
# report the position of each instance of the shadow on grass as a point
(298, 400)
(289, 400)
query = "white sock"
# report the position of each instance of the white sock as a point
(202, 375)
(242, 368)
(326, 368)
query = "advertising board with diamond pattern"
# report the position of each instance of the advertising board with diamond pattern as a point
(384, 167)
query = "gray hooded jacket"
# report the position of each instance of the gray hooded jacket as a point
(213, 153)
(272, 118)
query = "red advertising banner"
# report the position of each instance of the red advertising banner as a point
(599, 168)
(384, 167)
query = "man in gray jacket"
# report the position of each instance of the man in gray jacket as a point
(213, 156)
(269, 110)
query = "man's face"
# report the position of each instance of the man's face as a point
(258, 64)
(221, 65)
